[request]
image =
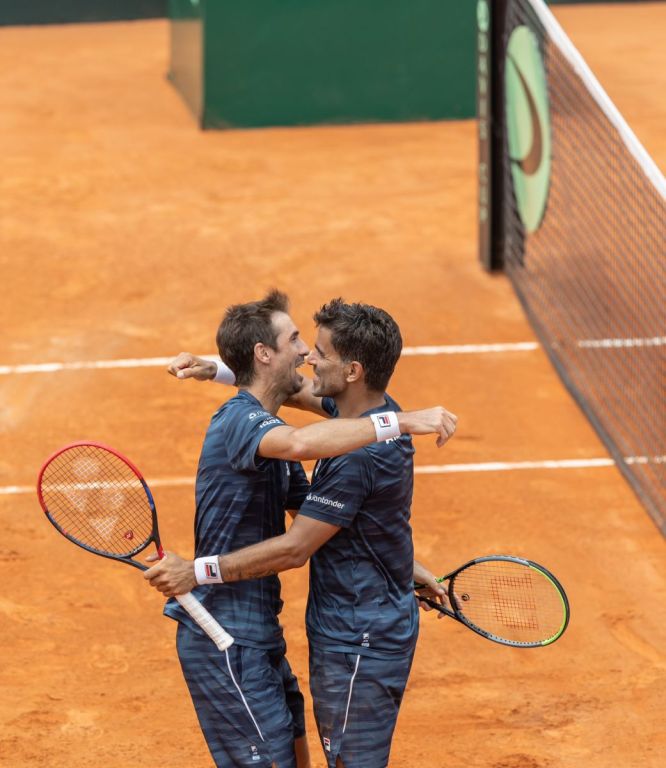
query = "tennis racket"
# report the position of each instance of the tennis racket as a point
(98, 499)
(506, 599)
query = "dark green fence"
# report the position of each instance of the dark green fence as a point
(294, 62)
(14, 12)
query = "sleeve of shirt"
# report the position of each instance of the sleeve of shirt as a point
(245, 429)
(339, 489)
(299, 486)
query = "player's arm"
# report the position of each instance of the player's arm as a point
(306, 401)
(188, 366)
(174, 575)
(337, 436)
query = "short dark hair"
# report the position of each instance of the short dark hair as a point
(364, 333)
(245, 325)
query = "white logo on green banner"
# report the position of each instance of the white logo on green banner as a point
(528, 126)
(482, 15)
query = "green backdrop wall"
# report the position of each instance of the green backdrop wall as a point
(66, 11)
(296, 62)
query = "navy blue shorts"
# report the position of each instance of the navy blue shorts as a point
(356, 702)
(247, 700)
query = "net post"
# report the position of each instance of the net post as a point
(490, 17)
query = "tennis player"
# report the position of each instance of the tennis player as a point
(247, 699)
(362, 618)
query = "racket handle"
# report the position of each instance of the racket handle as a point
(209, 625)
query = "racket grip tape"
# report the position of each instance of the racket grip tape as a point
(203, 618)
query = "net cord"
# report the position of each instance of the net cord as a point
(580, 67)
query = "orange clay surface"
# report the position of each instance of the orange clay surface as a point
(124, 233)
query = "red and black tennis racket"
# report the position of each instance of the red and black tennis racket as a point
(506, 599)
(98, 499)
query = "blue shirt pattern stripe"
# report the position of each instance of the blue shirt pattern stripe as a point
(361, 581)
(241, 499)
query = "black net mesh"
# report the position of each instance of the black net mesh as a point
(592, 273)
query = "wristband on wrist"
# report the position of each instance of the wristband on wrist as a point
(386, 425)
(224, 374)
(207, 570)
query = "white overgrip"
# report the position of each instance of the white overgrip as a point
(209, 625)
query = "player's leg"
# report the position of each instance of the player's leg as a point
(296, 706)
(240, 702)
(356, 704)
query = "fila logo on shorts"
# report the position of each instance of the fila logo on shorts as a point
(327, 744)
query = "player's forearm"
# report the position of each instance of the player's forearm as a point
(330, 438)
(421, 574)
(267, 558)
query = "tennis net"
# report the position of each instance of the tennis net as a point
(574, 209)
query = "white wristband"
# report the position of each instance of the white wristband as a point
(386, 425)
(224, 374)
(207, 570)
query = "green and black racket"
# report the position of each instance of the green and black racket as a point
(506, 599)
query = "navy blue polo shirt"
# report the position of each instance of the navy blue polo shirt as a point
(361, 581)
(241, 499)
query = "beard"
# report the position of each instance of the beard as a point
(294, 385)
(329, 388)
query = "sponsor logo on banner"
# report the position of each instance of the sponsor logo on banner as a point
(528, 126)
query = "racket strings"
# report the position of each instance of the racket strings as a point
(512, 601)
(96, 498)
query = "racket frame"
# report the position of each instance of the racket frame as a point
(127, 558)
(188, 601)
(458, 614)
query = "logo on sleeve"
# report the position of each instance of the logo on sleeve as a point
(323, 500)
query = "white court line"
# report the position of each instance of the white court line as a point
(424, 469)
(471, 349)
(655, 341)
(425, 351)
(151, 362)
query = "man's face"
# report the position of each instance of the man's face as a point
(290, 354)
(329, 370)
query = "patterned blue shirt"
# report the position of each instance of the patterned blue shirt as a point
(241, 499)
(361, 581)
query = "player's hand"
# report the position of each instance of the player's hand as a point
(434, 591)
(172, 575)
(428, 421)
(188, 366)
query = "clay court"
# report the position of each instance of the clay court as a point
(125, 232)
